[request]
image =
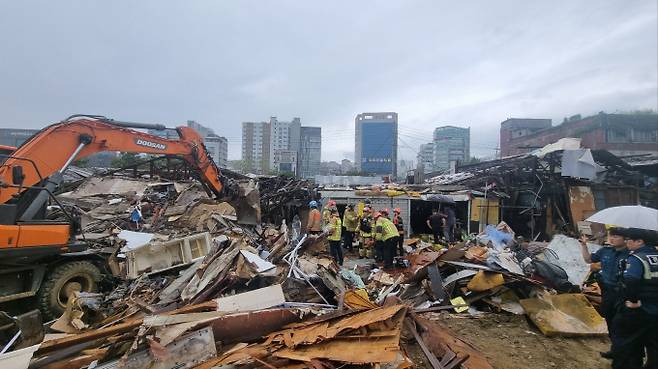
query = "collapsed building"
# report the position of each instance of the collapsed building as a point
(189, 284)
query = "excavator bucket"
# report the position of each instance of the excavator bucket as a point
(247, 205)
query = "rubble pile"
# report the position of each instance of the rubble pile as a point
(192, 287)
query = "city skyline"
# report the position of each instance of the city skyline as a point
(476, 64)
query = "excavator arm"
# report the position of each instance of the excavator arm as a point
(42, 160)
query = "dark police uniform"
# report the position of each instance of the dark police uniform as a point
(610, 260)
(637, 328)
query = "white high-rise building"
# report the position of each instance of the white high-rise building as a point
(276, 145)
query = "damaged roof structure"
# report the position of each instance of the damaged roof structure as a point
(554, 189)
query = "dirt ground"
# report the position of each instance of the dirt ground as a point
(511, 342)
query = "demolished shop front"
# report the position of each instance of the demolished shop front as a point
(472, 210)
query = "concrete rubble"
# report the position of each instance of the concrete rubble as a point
(191, 284)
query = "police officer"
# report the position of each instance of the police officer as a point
(610, 258)
(636, 322)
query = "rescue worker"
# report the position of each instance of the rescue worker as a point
(610, 258)
(314, 224)
(326, 212)
(378, 236)
(636, 322)
(364, 227)
(379, 241)
(350, 223)
(387, 233)
(335, 229)
(399, 224)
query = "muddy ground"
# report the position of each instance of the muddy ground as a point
(511, 342)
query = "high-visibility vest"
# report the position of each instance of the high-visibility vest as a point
(385, 229)
(336, 229)
(349, 221)
(326, 216)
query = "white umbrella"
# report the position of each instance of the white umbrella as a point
(628, 217)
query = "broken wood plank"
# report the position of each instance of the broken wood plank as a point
(436, 364)
(60, 343)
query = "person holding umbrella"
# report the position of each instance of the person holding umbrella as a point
(636, 322)
(610, 258)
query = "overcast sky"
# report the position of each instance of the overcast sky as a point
(469, 63)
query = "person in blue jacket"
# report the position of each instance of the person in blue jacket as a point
(636, 322)
(608, 278)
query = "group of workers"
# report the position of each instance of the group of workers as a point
(629, 291)
(378, 235)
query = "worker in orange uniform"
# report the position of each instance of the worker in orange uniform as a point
(399, 224)
(314, 224)
(386, 233)
(335, 229)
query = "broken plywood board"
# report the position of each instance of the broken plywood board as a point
(188, 351)
(261, 298)
(361, 350)
(308, 334)
(581, 203)
(568, 314)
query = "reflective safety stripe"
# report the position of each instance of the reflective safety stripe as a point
(648, 274)
(390, 230)
(336, 226)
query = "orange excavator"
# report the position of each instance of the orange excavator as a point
(41, 258)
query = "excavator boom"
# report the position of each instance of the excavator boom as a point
(53, 149)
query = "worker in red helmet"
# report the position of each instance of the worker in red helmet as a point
(326, 212)
(399, 224)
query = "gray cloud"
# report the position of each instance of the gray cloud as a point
(222, 63)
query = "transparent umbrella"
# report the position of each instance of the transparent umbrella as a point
(635, 216)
